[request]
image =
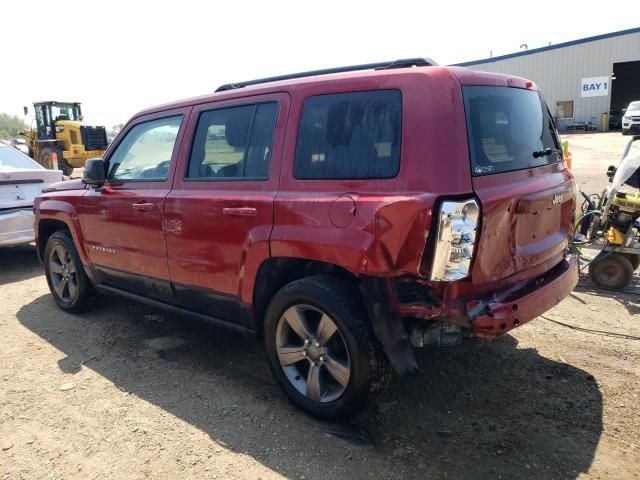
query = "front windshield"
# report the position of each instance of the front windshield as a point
(634, 107)
(64, 111)
(12, 159)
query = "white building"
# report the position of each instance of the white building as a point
(581, 79)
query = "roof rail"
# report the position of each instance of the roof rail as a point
(402, 63)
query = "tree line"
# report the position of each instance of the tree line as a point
(10, 126)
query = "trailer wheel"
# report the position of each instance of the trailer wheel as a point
(634, 260)
(612, 271)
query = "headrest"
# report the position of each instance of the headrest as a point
(235, 130)
(342, 118)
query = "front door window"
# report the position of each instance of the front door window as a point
(145, 153)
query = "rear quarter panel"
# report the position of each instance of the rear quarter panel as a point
(391, 219)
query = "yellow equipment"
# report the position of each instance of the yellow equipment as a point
(60, 140)
(623, 211)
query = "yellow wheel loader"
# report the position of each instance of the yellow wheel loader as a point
(60, 140)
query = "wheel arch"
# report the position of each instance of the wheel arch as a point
(55, 215)
(46, 228)
(276, 272)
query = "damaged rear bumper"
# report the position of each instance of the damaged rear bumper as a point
(401, 326)
(16, 226)
(496, 314)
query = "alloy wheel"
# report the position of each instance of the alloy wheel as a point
(62, 272)
(313, 353)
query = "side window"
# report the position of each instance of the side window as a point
(350, 135)
(145, 152)
(233, 142)
(564, 110)
(43, 124)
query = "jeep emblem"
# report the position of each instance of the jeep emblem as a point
(557, 198)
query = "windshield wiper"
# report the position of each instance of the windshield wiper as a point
(546, 152)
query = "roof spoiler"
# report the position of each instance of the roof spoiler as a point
(403, 63)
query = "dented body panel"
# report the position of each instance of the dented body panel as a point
(522, 226)
(381, 229)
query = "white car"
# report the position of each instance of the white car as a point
(21, 180)
(631, 119)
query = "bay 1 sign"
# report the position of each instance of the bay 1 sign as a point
(595, 87)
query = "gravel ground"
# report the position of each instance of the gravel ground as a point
(131, 392)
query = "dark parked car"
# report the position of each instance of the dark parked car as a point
(346, 218)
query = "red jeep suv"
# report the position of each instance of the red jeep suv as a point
(347, 216)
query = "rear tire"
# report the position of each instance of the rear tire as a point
(611, 271)
(322, 349)
(67, 280)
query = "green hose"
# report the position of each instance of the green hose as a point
(577, 245)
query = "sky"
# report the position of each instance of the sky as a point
(119, 57)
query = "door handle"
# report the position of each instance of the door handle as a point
(144, 206)
(240, 212)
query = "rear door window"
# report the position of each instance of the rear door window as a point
(509, 129)
(233, 143)
(350, 136)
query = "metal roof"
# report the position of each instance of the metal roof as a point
(54, 101)
(550, 47)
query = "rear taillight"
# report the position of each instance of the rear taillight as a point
(456, 240)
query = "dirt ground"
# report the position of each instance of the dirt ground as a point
(128, 392)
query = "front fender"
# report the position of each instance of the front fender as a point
(60, 210)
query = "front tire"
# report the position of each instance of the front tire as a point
(322, 349)
(63, 165)
(67, 280)
(46, 158)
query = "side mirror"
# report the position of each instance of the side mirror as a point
(26, 110)
(93, 172)
(611, 171)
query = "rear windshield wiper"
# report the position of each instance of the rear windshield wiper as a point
(546, 152)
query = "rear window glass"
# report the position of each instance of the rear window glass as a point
(12, 159)
(349, 135)
(509, 129)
